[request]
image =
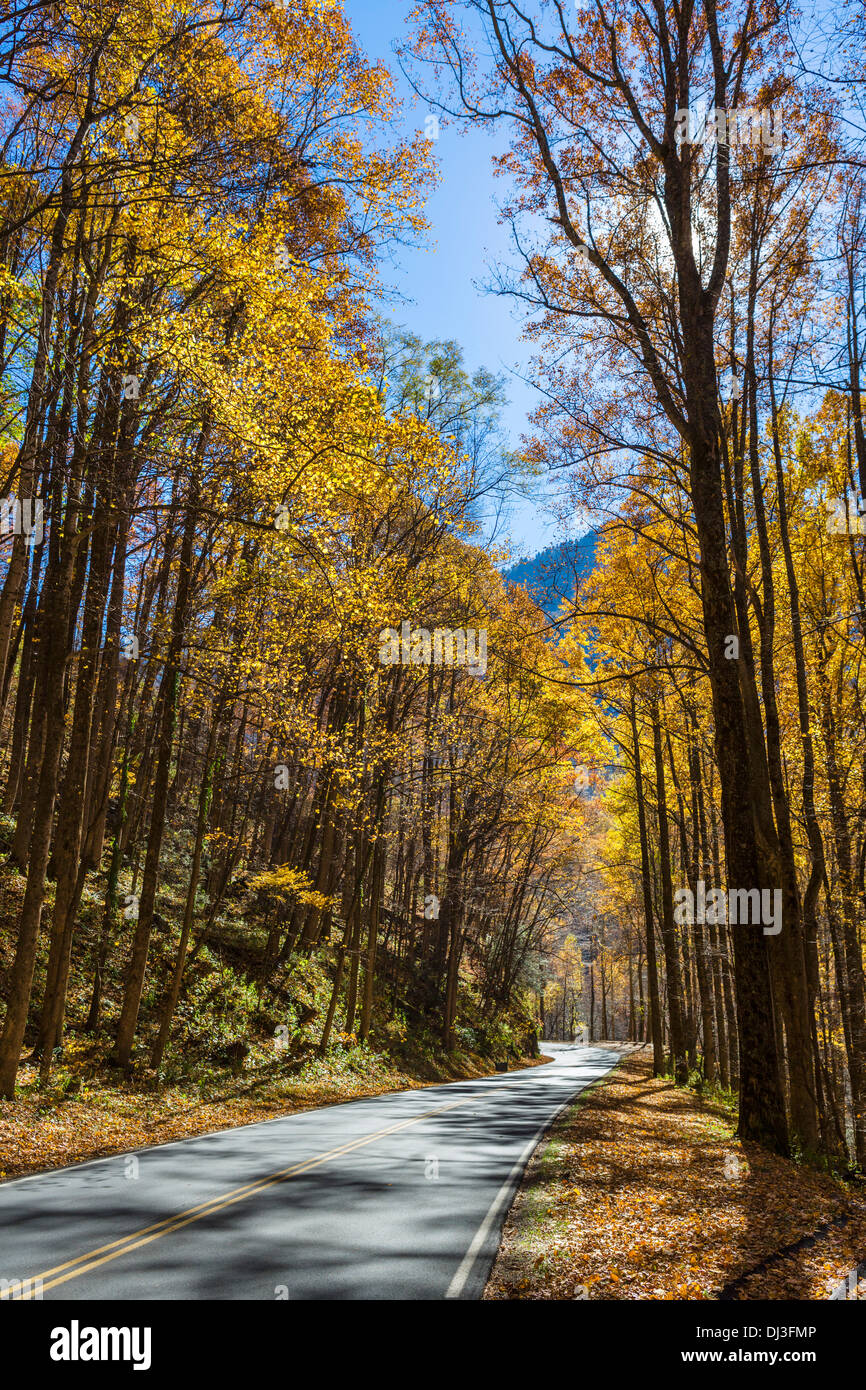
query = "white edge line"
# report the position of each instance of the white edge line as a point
(458, 1283)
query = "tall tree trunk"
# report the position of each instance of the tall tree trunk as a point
(652, 966)
(168, 712)
(671, 947)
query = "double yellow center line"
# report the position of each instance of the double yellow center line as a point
(92, 1259)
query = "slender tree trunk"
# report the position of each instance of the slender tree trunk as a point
(652, 966)
(671, 947)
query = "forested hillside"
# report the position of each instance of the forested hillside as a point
(551, 577)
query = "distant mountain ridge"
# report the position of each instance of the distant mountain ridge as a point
(549, 576)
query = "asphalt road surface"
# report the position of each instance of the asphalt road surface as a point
(398, 1196)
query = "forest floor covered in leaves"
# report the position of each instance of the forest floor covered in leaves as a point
(56, 1126)
(642, 1192)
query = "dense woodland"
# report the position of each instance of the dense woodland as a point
(226, 811)
(223, 810)
(698, 306)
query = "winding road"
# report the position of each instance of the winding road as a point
(397, 1196)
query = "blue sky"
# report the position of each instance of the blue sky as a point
(442, 283)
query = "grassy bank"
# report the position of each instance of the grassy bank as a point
(244, 1042)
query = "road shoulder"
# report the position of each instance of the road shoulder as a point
(640, 1191)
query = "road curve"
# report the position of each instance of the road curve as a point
(397, 1196)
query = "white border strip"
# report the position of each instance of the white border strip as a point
(458, 1283)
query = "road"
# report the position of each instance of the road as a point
(397, 1196)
